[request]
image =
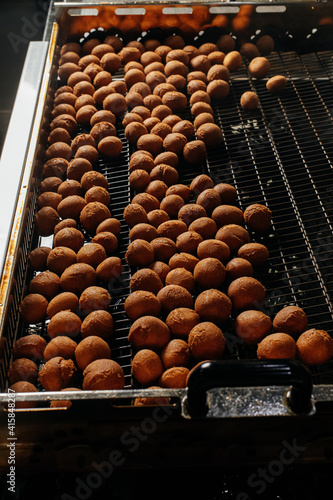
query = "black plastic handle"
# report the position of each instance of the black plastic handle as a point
(249, 373)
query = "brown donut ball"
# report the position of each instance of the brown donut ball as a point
(93, 214)
(213, 305)
(65, 223)
(133, 99)
(233, 60)
(212, 248)
(246, 293)
(29, 346)
(146, 279)
(116, 103)
(292, 320)
(219, 72)
(209, 199)
(150, 123)
(194, 86)
(141, 303)
(102, 79)
(209, 273)
(171, 229)
(50, 184)
(203, 118)
(199, 108)
(257, 217)
(259, 67)
(71, 207)
(164, 248)
(37, 258)
(101, 130)
(69, 237)
(184, 260)
(93, 178)
(111, 62)
(69, 187)
(181, 190)
(162, 111)
(265, 44)
(78, 167)
(142, 111)
(161, 129)
(234, 236)
(200, 63)
(249, 100)
(64, 95)
(22, 369)
(139, 180)
(155, 78)
(56, 374)
(160, 268)
(276, 84)
(175, 68)
(174, 377)
(227, 214)
(157, 217)
(146, 366)
(60, 258)
(59, 135)
(103, 374)
(109, 269)
(94, 298)
(89, 349)
(153, 66)
(33, 308)
(314, 347)
(256, 253)
(92, 254)
(210, 134)
(147, 201)
(139, 253)
(176, 353)
(102, 115)
(88, 152)
(150, 142)
(45, 283)
(111, 225)
(191, 212)
(188, 242)
(149, 332)
(68, 122)
(85, 100)
(181, 321)
(134, 131)
(22, 386)
(64, 323)
(227, 192)
(182, 277)
(141, 161)
(98, 322)
(66, 69)
(218, 89)
(59, 150)
(206, 341)
(65, 301)
(252, 326)
(166, 173)
(195, 152)
(178, 81)
(238, 267)
(171, 204)
(77, 278)
(196, 75)
(173, 296)
(205, 226)
(45, 221)
(60, 346)
(200, 183)
(158, 189)
(170, 120)
(277, 346)
(162, 88)
(135, 214)
(200, 96)
(110, 147)
(175, 100)
(152, 101)
(249, 50)
(83, 87)
(97, 193)
(143, 231)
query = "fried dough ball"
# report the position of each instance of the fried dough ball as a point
(256, 253)
(277, 346)
(246, 293)
(314, 347)
(140, 253)
(157, 188)
(89, 349)
(185, 260)
(111, 225)
(146, 366)
(209, 273)
(259, 67)
(69, 187)
(252, 326)
(94, 298)
(91, 253)
(33, 308)
(103, 374)
(161, 268)
(29, 346)
(149, 332)
(210, 134)
(22, 369)
(238, 267)
(77, 168)
(166, 173)
(60, 346)
(98, 322)
(206, 341)
(182, 277)
(64, 323)
(65, 301)
(135, 214)
(209, 199)
(292, 320)
(93, 214)
(71, 207)
(60, 258)
(57, 373)
(191, 212)
(65, 223)
(188, 242)
(146, 279)
(205, 226)
(164, 248)
(227, 214)
(45, 283)
(200, 183)
(142, 303)
(176, 353)
(195, 151)
(234, 236)
(37, 258)
(93, 178)
(70, 237)
(181, 320)
(213, 305)
(45, 221)
(181, 190)
(171, 229)
(257, 217)
(77, 278)
(109, 269)
(212, 248)
(174, 377)
(173, 296)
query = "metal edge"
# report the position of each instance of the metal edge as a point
(8, 277)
